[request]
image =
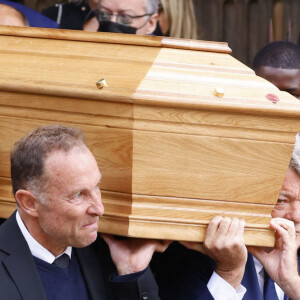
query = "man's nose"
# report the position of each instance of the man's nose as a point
(113, 18)
(96, 206)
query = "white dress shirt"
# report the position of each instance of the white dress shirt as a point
(220, 289)
(35, 247)
(260, 276)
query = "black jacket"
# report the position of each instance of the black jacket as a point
(69, 15)
(19, 277)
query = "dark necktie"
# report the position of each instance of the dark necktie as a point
(269, 288)
(62, 261)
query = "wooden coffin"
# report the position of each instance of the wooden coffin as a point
(182, 132)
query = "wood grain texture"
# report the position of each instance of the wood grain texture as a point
(172, 154)
(189, 81)
(211, 167)
(180, 218)
(195, 45)
(112, 38)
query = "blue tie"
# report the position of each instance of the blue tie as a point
(269, 288)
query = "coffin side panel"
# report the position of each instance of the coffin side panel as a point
(219, 168)
(181, 218)
(108, 136)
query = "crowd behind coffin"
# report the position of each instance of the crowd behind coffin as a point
(220, 268)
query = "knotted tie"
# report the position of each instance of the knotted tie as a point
(269, 288)
(62, 261)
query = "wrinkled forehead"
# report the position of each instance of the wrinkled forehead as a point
(291, 185)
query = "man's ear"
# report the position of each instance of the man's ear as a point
(152, 22)
(27, 201)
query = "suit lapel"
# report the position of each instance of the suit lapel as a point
(96, 268)
(23, 271)
(19, 261)
(250, 281)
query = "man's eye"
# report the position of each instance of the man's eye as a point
(281, 201)
(78, 195)
(105, 16)
(125, 19)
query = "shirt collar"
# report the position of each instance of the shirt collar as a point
(258, 266)
(35, 247)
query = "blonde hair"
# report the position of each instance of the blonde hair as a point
(181, 17)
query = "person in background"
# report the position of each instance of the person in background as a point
(49, 247)
(128, 16)
(16, 14)
(11, 16)
(121, 16)
(279, 63)
(75, 14)
(224, 270)
(176, 18)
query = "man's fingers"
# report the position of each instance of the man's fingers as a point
(283, 226)
(241, 228)
(236, 229)
(213, 226)
(222, 231)
(224, 227)
(285, 229)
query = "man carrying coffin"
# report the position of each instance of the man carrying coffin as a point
(49, 247)
(228, 271)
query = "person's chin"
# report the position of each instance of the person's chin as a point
(92, 238)
(86, 240)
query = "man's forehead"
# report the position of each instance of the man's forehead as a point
(78, 164)
(284, 79)
(286, 193)
(62, 157)
(271, 71)
(124, 5)
(291, 184)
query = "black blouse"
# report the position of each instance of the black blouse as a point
(69, 15)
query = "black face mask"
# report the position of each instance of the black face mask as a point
(157, 30)
(108, 26)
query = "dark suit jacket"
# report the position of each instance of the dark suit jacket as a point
(19, 277)
(183, 274)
